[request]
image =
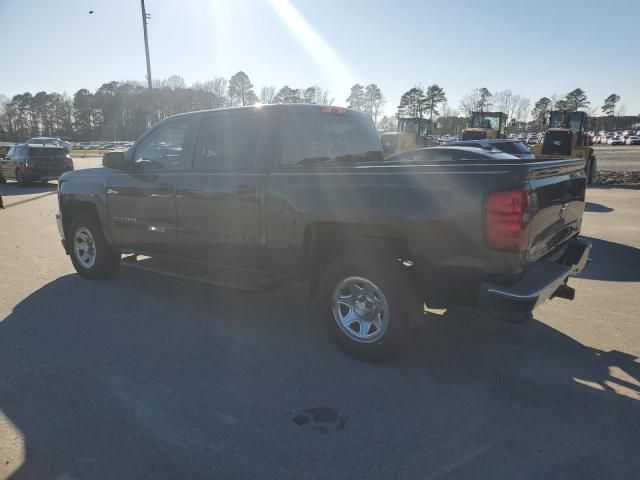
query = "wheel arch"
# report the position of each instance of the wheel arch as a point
(325, 241)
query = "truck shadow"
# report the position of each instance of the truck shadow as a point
(597, 208)
(147, 377)
(11, 189)
(613, 262)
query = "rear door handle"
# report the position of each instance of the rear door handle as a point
(111, 191)
(244, 189)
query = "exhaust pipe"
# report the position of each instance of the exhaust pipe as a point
(565, 291)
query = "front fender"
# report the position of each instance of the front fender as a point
(85, 188)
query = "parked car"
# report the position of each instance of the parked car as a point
(512, 147)
(616, 140)
(26, 163)
(633, 140)
(257, 196)
(532, 140)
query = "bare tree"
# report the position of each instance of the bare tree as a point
(267, 94)
(478, 100)
(373, 101)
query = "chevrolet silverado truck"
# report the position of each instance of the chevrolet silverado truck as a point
(253, 196)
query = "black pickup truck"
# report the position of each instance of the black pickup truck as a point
(257, 195)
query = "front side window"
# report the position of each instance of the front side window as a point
(228, 143)
(163, 149)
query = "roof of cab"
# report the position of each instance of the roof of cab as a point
(295, 107)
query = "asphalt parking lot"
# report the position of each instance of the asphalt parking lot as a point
(148, 377)
(618, 157)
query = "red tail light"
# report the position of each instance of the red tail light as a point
(330, 109)
(508, 214)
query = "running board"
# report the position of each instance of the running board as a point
(219, 276)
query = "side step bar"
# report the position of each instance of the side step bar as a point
(246, 280)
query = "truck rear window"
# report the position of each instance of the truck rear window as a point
(47, 152)
(311, 138)
(516, 148)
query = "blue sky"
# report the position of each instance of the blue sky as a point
(523, 46)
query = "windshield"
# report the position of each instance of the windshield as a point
(46, 152)
(571, 120)
(484, 120)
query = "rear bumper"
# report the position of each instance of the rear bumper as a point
(540, 283)
(36, 173)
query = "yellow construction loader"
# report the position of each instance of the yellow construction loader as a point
(412, 133)
(565, 137)
(486, 125)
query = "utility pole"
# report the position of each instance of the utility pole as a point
(145, 17)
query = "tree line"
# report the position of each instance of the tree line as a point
(123, 110)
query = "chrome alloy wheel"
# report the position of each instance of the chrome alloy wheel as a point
(360, 309)
(84, 247)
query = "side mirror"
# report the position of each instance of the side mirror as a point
(114, 160)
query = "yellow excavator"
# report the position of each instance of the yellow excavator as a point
(565, 137)
(412, 133)
(486, 125)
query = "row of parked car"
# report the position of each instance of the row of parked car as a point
(101, 145)
(626, 137)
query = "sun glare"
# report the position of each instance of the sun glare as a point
(322, 53)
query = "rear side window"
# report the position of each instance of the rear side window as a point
(512, 147)
(228, 143)
(11, 151)
(313, 138)
(47, 152)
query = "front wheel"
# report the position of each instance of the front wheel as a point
(365, 303)
(591, 169)
(91, 254)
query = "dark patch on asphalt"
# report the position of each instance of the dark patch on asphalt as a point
(320, 419)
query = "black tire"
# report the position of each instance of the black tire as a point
(2, 180)
(106, 259)
(591, 174)
(21, 179)
(398, 294)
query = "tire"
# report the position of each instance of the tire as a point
(358, 291)
(591, 174)
(97, 260)
(21, 179)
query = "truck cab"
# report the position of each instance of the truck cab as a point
(486, 125)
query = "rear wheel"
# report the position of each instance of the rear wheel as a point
(364, 303)
(20, 178)
(91, 254)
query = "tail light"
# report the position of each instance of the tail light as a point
(508, 215)
(330, 109)
(68, 162)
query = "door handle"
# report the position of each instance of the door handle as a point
(111, 191)
(243, 189)
(161, 195)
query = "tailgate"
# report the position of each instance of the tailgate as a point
(557, 205)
